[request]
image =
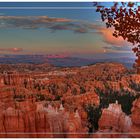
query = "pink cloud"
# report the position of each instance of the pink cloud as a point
(62, 20)
(46, 19)
(15, 50)
(110, 39)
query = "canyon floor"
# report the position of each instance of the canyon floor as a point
(95, 101)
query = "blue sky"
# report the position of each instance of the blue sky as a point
(75, 32)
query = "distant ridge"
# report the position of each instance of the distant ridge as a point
(61, 61)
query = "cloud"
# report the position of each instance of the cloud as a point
(29, 22)
(112, 43)
(15, 50)
(60, 27)
(111, 40)
(52, 23)
(117, 48)
(81, 30)
(46, 19)
(75, 27)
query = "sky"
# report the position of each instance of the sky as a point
(57, 29)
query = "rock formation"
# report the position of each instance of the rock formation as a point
(30, 120)
(113, 122)
(46, 101)
(135, 130)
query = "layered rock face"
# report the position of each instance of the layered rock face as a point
(13, 122)
(113, 122)
(135, 130)
(30, 120)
